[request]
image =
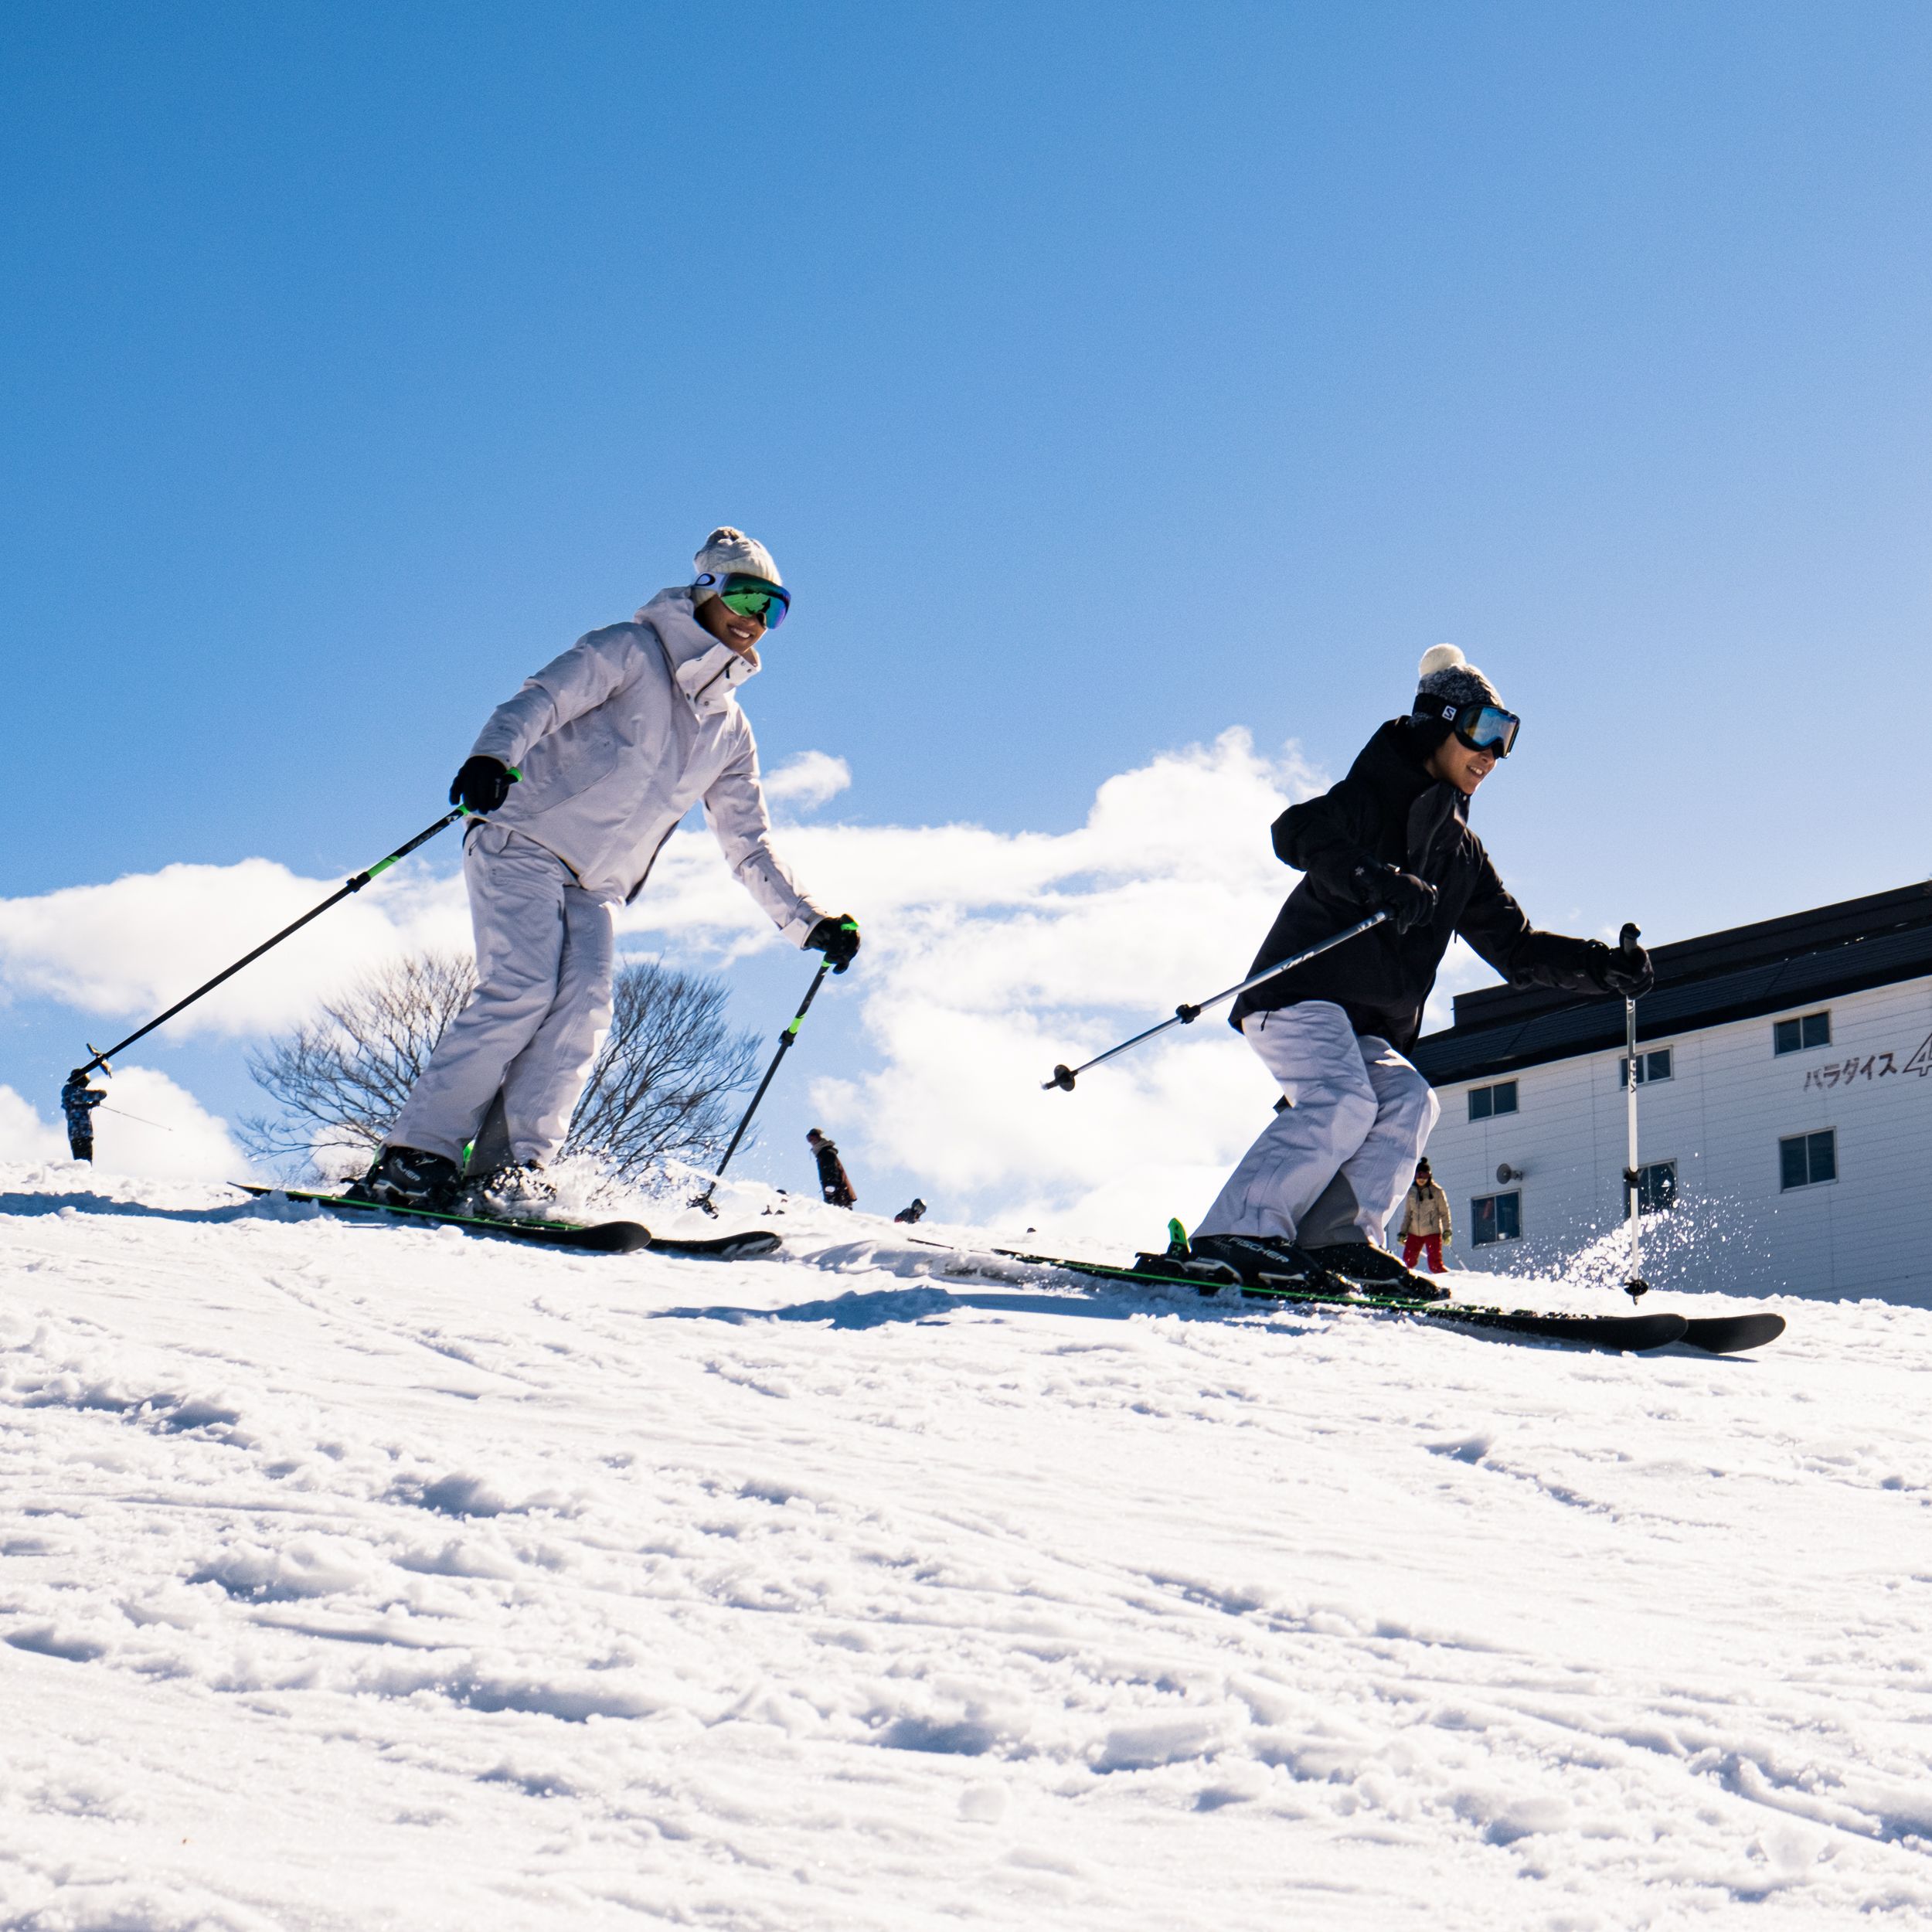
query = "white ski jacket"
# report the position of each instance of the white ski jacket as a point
(615, 750)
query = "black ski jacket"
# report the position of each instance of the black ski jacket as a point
(834, 1182)
(1389, 809)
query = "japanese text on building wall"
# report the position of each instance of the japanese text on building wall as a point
(1873, 1066)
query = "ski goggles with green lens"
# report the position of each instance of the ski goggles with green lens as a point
(749, 597)
(1482, 727)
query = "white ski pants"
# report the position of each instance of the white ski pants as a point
(521, 1050)
(1334, 1164)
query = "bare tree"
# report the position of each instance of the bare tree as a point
(340, 1078)
(660, 1089)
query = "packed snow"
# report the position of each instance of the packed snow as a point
(363, 1575)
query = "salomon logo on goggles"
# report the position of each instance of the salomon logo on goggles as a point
(1482, 727)
(749, 597)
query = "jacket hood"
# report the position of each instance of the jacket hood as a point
(707, 671)
(1396, 758)
(671, 614)
(1399, 753)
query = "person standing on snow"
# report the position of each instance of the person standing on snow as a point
(834, 1182)
(1312, 1196)
(1425, 1220)
(576, 782)
(78, 1101)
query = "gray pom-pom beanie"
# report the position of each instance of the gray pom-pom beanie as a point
(725, 550)
(1446, 674)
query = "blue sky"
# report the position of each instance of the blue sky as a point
(1102, 377)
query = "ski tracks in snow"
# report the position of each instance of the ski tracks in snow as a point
(360, 1576)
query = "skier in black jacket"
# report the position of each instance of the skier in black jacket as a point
(78, 1101)
(834, 1182)
(1314, 1193)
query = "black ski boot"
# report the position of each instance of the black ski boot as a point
(408, 1177)
(1260, 1261)
(1182, 1261)
(1363, 1265)
(517, 1190)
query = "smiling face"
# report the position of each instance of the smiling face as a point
(1455, 763)
(728, 626)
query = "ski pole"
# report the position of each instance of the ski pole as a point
(355, 885)
(1635, 1285)
(1186, 1015)
(784, 1046)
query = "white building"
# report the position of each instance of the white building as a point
(1785, 1101)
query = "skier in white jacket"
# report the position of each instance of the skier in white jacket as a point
(576, 782)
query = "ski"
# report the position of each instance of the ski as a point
(1634, 1332)
(595, 1237)
(1732, 1334)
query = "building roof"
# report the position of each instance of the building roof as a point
(1775, 965)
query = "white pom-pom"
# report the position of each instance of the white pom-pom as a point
(1440, 657)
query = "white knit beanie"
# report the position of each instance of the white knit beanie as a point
(725, 550)
(1445, 673)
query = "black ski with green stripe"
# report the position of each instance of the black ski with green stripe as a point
(1719, 1336)
(597, 1237)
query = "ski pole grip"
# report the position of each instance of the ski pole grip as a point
(1626, 940)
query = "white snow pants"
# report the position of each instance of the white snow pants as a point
(519, 1053)
(1334, 1164)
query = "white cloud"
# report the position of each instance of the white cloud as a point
(989, 956)
(24, 1135)
(126, 950)
(811, 780)
(147, 1126)
(159, 1129)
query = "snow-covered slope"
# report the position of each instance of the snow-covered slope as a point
(361, 1577)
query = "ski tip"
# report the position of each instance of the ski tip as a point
(1732, 1334)
(613, 1237)
(721, 1248)
(741, 1247)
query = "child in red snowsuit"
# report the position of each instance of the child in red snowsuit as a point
(1425, 1219)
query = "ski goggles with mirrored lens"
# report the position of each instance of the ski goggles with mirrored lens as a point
(1482, 727)
(749, 597)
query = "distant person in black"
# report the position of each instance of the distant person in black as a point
(78, 1101)
(834, 1182)
(913, 1212)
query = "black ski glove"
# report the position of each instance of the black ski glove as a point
(838, 939)
(481, 785)
(1628, 975)
(1408, 900)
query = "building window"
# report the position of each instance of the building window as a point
(1656, 1188)
(1496, 1217)
(1484, 1101)
(1795, 1035)
(1805, 1159)
(1653, 1066)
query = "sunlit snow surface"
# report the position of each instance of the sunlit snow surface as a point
(364, 1576)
